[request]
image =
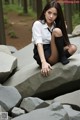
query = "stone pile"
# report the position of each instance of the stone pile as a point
(24, 90)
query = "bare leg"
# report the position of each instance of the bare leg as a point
(57, 52)
(54, 52)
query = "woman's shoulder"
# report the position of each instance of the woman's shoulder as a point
(37, 23)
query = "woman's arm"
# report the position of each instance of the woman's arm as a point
(37, 39)
(41, 52)
(46, 67)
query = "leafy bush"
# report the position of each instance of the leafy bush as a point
(12, 34)
(75, 19)
(11, 7)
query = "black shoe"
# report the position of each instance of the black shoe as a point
(64, 60)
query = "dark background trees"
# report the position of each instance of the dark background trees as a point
(2, 31)
(71, 11)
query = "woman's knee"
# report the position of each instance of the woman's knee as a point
(57, 32)
(72, 48)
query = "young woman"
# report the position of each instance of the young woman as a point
(49, 35)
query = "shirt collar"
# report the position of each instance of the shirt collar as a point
(46, 26)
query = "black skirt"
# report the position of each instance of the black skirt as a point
(47, 53)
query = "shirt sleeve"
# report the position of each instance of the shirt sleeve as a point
(36, 33)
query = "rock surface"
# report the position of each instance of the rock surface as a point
(9, 97)
(7, 64)
(31, 103)
(30, 84)
(70, 98)
(76, 30)
(54, 111)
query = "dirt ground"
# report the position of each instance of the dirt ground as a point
(20, 28)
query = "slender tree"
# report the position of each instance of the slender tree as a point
(30, 3)
(68, 17)
(34, 5)
(25, 6)
(12, 1)
(47, 0)
(19, 3)
(39, 7)
(2, 30)
(6, 1)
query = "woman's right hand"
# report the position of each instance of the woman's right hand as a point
(46, 67)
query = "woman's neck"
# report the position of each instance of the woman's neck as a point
(49, 25)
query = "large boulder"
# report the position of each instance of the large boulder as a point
(30, 82)
(5, 49)
(31, 103)
(54, 112)
(25, 57)
(9, 97)
(7, 64)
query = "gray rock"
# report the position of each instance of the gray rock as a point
(48, 113)
(30, 82)
(12, 49)
(76, 41)
(31, 103)
(76, 30)
(9, 97)
(5, 49)
(7, 64)
(69, 98)
(2, 109)
(25, 56)
(17, 111)
(73, 114)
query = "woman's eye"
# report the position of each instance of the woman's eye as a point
(49, 12)
(55, 14)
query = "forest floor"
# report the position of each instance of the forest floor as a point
(18, 30)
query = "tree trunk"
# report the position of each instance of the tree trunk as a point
(19, 3)
(6, 1)
(30, 3)
(68, 17)
(79, 8)
(47, 1)
(2, 30)
(25, 6)
(12, 1)
(39, 7)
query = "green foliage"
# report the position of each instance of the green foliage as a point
(31, 12)
(5, 19)
(18, 9)
(11, 7)
(75, 19)
(44, 3)
(12, 34)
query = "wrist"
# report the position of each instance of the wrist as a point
(43, 61)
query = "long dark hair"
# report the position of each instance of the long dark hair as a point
(60, 23)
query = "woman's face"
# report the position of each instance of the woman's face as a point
(50, 15)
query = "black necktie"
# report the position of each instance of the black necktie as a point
(49, 31)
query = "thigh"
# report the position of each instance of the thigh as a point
(47, 53)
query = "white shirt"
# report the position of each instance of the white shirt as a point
(40, 33)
